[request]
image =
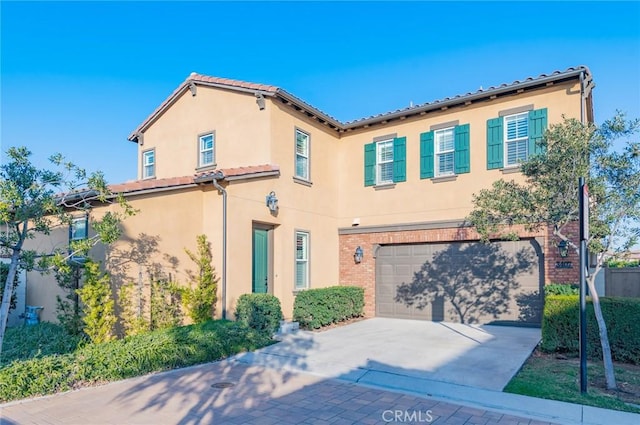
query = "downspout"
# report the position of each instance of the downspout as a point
(217, 176)
(582, 98)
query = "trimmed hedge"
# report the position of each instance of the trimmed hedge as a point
(315, 308)
(261, 312)
(562, 289)
(133, 356)
(560, 327)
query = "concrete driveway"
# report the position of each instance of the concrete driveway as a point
(396, 353)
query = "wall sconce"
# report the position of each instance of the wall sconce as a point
(563, 248)
(272, 202)
(260, 101)
(357, 256)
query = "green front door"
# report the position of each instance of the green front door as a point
(260, 261)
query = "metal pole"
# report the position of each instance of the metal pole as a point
(583, 288)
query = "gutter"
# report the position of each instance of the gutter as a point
(220, 176)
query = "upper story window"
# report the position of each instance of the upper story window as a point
(149, 164)
(384, 162)
(302, 260)
(302, 155)
(445, 148)
(516, 138)
(206, 152)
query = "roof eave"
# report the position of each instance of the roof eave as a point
(134, 136)
(543, 81)
(309, 110)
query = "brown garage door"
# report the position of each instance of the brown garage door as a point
(466, 282)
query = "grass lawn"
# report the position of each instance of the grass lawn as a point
(556, 377)
(41, 359)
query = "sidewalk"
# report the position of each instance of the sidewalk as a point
(230, 392)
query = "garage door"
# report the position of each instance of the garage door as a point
(468, 282)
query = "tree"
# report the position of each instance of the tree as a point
(201, 300)
(549, 196)
(35, 201)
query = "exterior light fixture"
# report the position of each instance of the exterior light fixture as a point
(272, 202)
(260, 101)
(357, 256)
(563, 248)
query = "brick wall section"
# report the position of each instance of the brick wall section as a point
(552, 255)
(364, 274)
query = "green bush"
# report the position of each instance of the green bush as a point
(616, 263)
(562, 289)
(133, 356)
(259, 311)
(315, 308)
(560, 327)
(35, 341)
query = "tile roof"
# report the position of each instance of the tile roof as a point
(479, 93)
(139, 185)
(274, 91)
(239, 171)
(184, 181)
(195, 77)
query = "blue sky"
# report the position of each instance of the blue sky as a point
(78, 77)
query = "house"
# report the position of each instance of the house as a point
(288, 195)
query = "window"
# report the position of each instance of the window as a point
(302, 260)
(445, 149)
(302, 155)
(149, 164)
(516, 138)
(78, 231)
(384, 162)
(206, 154)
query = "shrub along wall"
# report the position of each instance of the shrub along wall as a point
(259, 311)
(315, 308)
(133, 356)
(560, 327)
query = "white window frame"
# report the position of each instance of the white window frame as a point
(202, 151)
(437, 135)
(302, 262)
(148, 168)
(380, 162)
(507, 141)
(304, 156)
(75, 235)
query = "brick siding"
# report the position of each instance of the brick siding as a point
(364, 274)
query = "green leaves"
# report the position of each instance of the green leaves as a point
(550, 192)
(201, 299)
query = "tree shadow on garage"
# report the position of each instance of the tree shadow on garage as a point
(477, 281)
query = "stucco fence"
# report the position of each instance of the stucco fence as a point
(622, 282)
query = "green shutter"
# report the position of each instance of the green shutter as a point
(495, 143)
(537, 127)
(426, 155)
(399, 159)
(461, 156)
(370, 164)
